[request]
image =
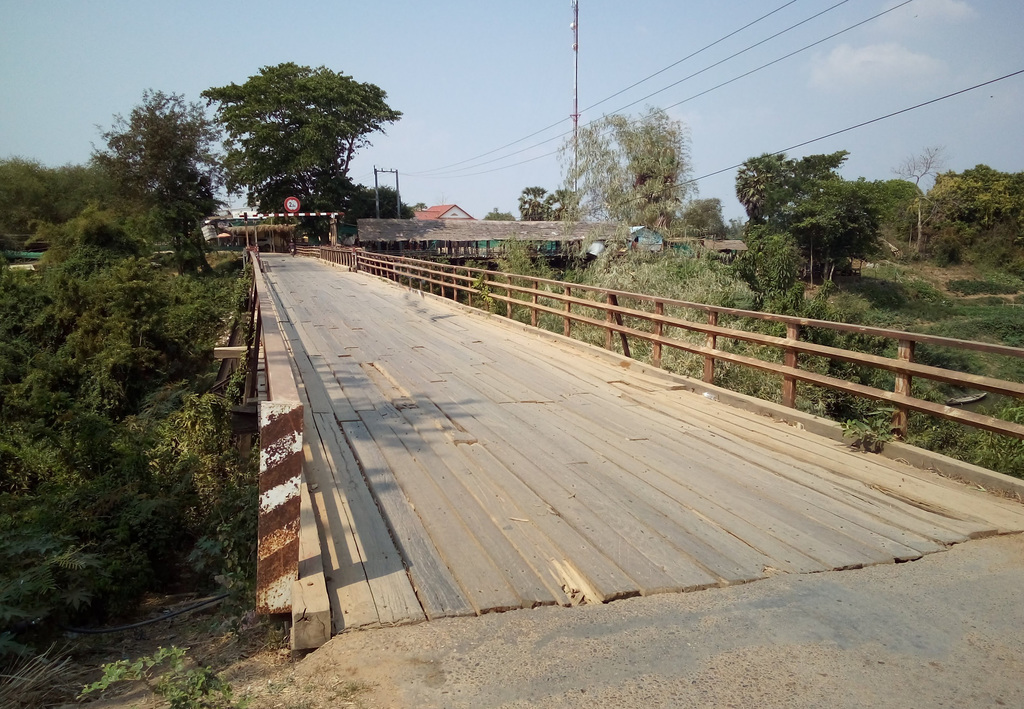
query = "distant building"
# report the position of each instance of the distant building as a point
(443, 211)
(471, 238)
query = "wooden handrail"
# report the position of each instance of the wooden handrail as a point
(564, 301)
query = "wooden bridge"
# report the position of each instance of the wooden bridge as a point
(455, 463)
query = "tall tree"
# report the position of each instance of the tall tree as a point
(533, 205)
(916, 168)
(631, 171)
(293, 130)
(162, 158)
(703, 217)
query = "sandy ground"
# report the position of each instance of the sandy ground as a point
(947, 630)
(944, 631)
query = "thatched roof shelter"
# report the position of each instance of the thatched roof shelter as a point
(465, 230)
(723, 245)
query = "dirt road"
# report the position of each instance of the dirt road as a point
(942, 631)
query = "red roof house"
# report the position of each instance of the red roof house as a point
(443, 211)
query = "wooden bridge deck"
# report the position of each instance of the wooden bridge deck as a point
(459, 466)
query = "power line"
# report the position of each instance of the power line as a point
(690, 98)
(806, 142)
(863, 123)
(617, 93)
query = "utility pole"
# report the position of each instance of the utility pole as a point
(376, 193)
(575, 26)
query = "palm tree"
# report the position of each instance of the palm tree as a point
(752, 182)
(532, 205)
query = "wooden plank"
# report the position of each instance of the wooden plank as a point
(831, 545)
(482, 584)
(920, 488)
(583, 567)
(340, 406)
(817, 477)
(392, 592)
(655, 395)
(351, 601)
(599, 525)
(806, 563)
(436, 589)
(438, 457)
(311, 606)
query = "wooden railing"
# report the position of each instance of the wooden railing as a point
(648, 321)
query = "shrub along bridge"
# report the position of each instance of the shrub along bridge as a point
(423, 458)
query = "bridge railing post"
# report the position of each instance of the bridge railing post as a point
(905, 353)
(790, 360)
(712, 342)
(659, 326)
(533, 300)
(566, 320)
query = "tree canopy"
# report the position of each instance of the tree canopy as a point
(631, 171)
(703, 218)
(162, 159)
(293, 130)
(806, 200)
(33, 195)
(495, 215)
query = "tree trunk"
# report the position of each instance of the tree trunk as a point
(917, 247)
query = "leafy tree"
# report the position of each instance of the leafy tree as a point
(631, 171)
(293, 130)
(980, 198)
(839, 220)
(495, 216)
(163, 161)
(362, 205)
(916, 168)
(703, 217)
(32, 195)
(808, 200)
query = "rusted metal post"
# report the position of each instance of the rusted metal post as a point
(659, 310)
(712, 342)
(789, 383)
(903, 386)
(566, 322)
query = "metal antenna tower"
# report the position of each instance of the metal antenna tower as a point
(575, 26)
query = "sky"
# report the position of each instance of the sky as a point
(472, 77)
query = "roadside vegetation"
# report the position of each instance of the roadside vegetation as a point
(122, 488)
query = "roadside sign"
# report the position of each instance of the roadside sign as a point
(292, 204)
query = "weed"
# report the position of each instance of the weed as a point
(872, 432)
(182, 688)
